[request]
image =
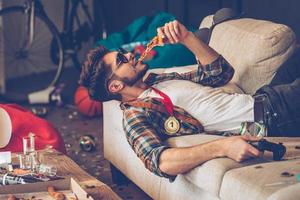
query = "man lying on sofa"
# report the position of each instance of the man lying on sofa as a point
(174, 104)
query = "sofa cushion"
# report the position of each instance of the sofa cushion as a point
(263, 181)
(209, 176)
(255, 48)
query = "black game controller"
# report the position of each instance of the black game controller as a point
(277, 149)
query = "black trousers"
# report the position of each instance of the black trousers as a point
(283, 96)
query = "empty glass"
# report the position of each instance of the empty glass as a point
(29, 144)
(47, 170)
(29, 158)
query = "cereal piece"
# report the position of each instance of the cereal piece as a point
(55, 195)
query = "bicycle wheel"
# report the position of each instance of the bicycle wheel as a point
(83, 33)
(32, 68)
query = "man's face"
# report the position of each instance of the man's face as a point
(125, 66)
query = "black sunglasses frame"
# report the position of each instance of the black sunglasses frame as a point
(121, 58)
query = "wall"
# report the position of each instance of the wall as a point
(118, 14)
(286, 12)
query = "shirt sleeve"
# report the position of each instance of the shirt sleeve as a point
(143, 139)
(215, 74)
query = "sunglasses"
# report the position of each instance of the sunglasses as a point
(121, 58)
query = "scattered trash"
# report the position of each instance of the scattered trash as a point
(73, 115)
(89, 186)
(287, 174)
(39, 111)
(258, 167)
(70, 116)
(87, 143)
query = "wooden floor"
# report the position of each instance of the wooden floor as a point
(71, 126)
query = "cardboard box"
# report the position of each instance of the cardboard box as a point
(67, 186)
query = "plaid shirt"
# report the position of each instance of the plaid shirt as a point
(144, 127)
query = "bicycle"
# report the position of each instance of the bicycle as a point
(40, 46)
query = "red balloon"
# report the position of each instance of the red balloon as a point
(85, 104)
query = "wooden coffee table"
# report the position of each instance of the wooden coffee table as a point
(66, 167)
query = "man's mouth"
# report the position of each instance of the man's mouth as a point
(136, 62)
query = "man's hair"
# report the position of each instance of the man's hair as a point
(94, 75)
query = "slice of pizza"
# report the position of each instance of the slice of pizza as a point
(156, 41)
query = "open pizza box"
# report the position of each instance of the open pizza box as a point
(68, 186)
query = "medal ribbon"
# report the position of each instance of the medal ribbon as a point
(166, 101)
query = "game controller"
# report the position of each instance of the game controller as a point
(277, 149)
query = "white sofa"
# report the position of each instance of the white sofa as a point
(255, 49)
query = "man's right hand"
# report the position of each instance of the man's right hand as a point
(173, 32)
(238, 148)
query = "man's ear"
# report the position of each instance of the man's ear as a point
(115, 86)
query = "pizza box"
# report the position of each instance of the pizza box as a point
(68, 186)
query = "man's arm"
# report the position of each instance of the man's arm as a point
(216, 74)
(143, 139)
(213, 69)
(175, 161)
(166, 161)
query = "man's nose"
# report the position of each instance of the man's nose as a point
(129, 56)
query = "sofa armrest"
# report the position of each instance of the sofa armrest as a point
(255, 48)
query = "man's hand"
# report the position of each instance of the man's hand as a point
(173, 32)
(238, 148)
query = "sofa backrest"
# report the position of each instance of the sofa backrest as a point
(255, 48)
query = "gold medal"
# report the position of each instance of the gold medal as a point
(172, 125)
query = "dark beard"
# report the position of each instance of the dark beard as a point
(131, 82)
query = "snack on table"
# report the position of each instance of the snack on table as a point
(156, 41)
(54, 194)
(19, 172)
